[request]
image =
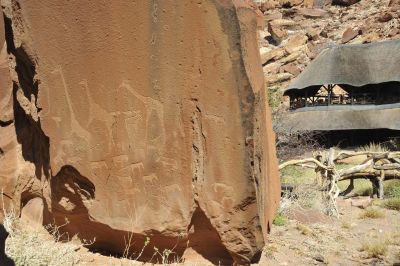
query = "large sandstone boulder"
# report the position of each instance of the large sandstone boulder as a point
(5, 81)
(136, 119)
(8, 140)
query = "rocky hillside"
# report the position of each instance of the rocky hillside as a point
(297, 30)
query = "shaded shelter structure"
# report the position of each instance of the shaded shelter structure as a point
(348, 87)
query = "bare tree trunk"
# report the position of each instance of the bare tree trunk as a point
(378, 166)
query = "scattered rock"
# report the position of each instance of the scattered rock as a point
(268, 5)
(320, 23)
(313, 49)
(371, 37)
(319, 258)
(313, 12)
(283, 23)
(385, 17)
(272, 79)
(361, 202)
(292, 69)
(292, 57)
(349, 35)
(308, 3)
(393, 3)
(290, 3)
(313, 33)
(295, 43)
(309, 216)
(272, 16)
(263, 34)
(393, 32)
(272, 68)
(32, 213)
(273, 54)
(277, 33)
(324, 34)
(344, 2)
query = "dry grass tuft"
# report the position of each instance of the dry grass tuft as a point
(392, 204)
(373, 147)
(346, 225)
(375, 249)
(304, 229)
(26, 246)
(303, 197)
(394, 238)
(270, 249)
(372, 213)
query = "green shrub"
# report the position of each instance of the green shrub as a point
(392, 203)
(279, 220)
(275, 97)
(296, 175)
(392, 188)
(362, 187)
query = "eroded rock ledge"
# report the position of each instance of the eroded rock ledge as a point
(142, 119)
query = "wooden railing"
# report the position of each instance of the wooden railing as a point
(344, 99)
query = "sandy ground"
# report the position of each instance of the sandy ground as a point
(334, 241)
(315, 239)
(307, 238)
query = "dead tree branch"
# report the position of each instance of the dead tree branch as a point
(377, 167)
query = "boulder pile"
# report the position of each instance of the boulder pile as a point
(297, 30)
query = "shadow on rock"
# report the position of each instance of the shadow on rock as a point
(4, 259)
(70, 192)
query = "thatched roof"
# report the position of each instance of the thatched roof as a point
(354, 64)
(344, 117)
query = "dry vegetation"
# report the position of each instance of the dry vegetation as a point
(372, 213)
(27, 246)
(367, 230)
(304, 229)
(375, 248)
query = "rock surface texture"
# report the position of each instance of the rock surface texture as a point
(136, 119)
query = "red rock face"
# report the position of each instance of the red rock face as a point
(7, 132)
(143, 119)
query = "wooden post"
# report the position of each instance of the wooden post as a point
(351, 96)
(378, 95)
(375, 185)
(380, 185)
(329, 93)
(291, 100)
(306, 94)
(352, 138)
